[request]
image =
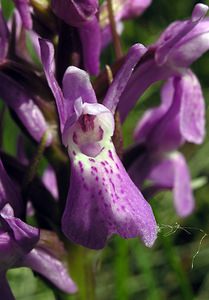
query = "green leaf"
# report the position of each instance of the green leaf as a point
(26, 286)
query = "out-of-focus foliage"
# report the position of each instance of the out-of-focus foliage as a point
(126, 269)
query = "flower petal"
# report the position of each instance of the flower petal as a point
(192, 114)
(173, 173)
(23, 234)
(75, 13)
(144, 75)
(152, 116)
(192, 46)
(25, 108)
(163, 130)
(23, 7)
(182, 28)
(50, 181)
(120, 81)
(51, 268)
(104, 202)
(47, 57)
(91, 45)
(76, 84)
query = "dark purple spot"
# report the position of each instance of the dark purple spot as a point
(110, 155)
(91, 159)
(81, 166)
(106, 170)
(94, 169)
(75, 138)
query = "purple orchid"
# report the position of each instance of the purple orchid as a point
(123, 10)
(82, 15)
(17, 98)
(24, 8)
(18, 248)
(178, 47)
(102, 200)
(179, 118)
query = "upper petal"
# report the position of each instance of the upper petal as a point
(47, 57)
(75, 13)
(152, 116)
(120, 81)
(91, 45)
(176, 32)
(76, 84)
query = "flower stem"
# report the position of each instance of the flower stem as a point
(115, 36)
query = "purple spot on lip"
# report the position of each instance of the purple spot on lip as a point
(91, 159)
(75, 138)
(81, 166)
(110, 155)
(74, 153)
(106, 170)
(94, 169)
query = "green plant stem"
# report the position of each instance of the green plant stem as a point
(121, 269)
(144, 261)
(116, 39)
(81, 268)
(176, 265)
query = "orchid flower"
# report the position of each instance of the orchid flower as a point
(182, 43)
(179, 118)
(18, 248)
(23, 6)
(102, 200)
(17, 98)
(82, 15)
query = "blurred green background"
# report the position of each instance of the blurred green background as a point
(177, 267)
